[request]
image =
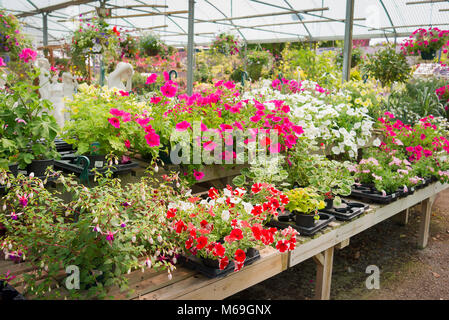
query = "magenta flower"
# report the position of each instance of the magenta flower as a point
(2, 63)
(23, 200)
(124, 93)
(127, 144)
(115, 122)
(209, 145)
(168, 90)
(198, 174)
(182, 126)
(28, 55)
(110, 236)
(151, 79)
(152, 139)
(18, 120)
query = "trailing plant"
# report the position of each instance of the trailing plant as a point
(426, 41)
(226, 44)
(106, 231)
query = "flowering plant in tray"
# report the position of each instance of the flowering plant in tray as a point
(227, 223)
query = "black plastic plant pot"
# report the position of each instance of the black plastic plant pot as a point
(304, 220)
(428, 55)
(97, 161)
(329, 203)
(38, 167)
(8, 293)
(14, 169)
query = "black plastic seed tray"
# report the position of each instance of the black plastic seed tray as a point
(67, 165)
(197, 264)
(61, 145)
(369, 193)
(288, 219)
(348, 210)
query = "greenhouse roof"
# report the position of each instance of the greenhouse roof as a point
(253, 21)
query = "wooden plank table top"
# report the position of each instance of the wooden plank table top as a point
(189, 284)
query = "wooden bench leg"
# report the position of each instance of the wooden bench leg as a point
(402, 217)
(426, 212)
(324, 262)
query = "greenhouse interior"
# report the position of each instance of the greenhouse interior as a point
(212, 150)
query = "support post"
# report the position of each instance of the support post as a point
(190, 47)
(424, 228)
(324, 262)
(347, 51)
(402, 217)
(45, 29)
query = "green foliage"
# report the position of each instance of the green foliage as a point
(387, 66)
(150, 45)
(259, 64)
(304, 200)
(416, 99)
(90, 111)
(306, 64)
(28, 130)
(310, 169)
(106, 231)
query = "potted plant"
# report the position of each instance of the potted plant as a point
(228, 224)
(387, 66)
(226, 44)
(150, 45)
(27, 123)
(305, 203)
(107, 121)
(425, 42)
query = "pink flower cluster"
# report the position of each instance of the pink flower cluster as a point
(425, 39)
(28, 55)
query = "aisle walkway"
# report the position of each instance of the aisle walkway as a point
(406, 272)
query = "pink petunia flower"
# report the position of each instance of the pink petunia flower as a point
(28, 55)
(153, 139)
(182, 126)
(198, 174)
(115, 122)
(151, 78)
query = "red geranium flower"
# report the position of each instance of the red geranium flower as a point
(202, 242)
(219, 250)
(236, 234)
(213, 193)
(240, 255)
(256, 188)
(180, 226)
(224, 263)
(282, 245)
(171, 213)
(189, 243)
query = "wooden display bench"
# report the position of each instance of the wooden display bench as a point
(321, 246)
(188, 284)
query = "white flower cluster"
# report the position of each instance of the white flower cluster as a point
(340, 126)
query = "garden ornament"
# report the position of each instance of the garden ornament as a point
(123, 72)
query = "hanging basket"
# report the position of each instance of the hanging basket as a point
(428, 55)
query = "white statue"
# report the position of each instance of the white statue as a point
(123, 72)
(44, 77)
(57, 98)
(69, 86)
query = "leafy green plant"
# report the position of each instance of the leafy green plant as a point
(304, 200)
(150, 44)
(259, 64)
(387, 66)
(416, 99)
(28, 130)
